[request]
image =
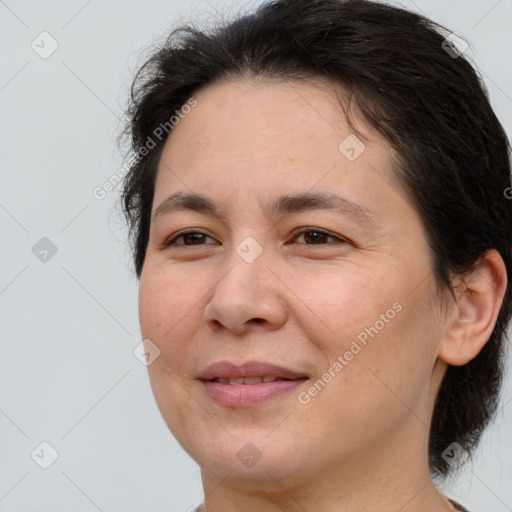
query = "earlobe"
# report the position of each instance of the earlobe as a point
(479, 299)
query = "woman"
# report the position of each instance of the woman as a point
(318, 208)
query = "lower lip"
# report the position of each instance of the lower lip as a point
(249, 395)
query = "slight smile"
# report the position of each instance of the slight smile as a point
(249, 384)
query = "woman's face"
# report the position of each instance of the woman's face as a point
(348, 304)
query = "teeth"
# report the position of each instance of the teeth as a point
(250, 380)
(235, 381)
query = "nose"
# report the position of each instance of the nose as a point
(248, 295)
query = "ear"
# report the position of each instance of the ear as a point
(473, 317)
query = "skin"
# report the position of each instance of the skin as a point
(361, 443)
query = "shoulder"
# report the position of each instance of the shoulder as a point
(458, 506)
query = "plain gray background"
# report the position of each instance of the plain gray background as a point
(69, 320)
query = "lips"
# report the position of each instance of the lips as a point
(252, 372)
(250, 384)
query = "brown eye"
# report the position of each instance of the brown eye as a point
(189, 238)
(317, 236)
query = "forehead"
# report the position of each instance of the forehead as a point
(254, 131)
(315, 108)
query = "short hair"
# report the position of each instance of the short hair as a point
(424, 98)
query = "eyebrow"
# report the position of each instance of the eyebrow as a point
(286, 204)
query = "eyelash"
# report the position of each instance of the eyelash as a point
(296, 233)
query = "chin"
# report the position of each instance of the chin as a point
(252, 459)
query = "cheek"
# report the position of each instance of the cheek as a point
(165, 302)
(169, 315)
(340, 304)
(385, 336)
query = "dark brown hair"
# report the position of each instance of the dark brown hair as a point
(410, 85)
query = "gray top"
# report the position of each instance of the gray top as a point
(458, 506)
